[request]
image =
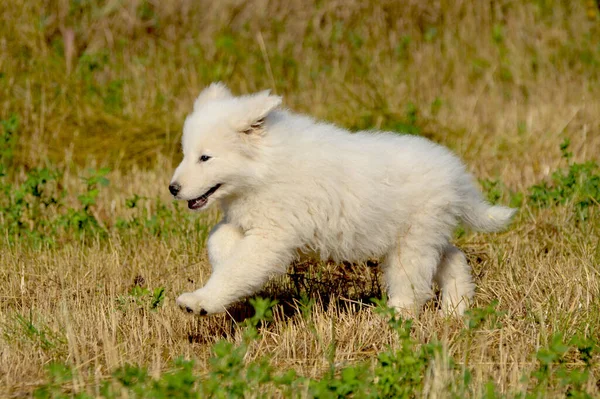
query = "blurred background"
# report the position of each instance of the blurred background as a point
(94, 251)
(501, 82)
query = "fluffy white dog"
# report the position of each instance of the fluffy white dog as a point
(290, 186)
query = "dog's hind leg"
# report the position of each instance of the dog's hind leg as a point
(408, 271)
(454, 279)
(221, 243)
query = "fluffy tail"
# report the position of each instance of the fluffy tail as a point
(482, 216)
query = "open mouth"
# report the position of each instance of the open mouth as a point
(199, 202)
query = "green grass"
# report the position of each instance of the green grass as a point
(397, 373)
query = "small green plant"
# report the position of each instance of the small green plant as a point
(306, 305)
(396, 373)
(495, 191)
(24, 206)
(477, 317)
(577, 185)
(436, 105)
(83, 220)
(142, 297)
(59, 374)
(401, 373)
(33, 209)
(409, 123)
(229, 374)
(7, 143)
(35, 331)
(553, 368)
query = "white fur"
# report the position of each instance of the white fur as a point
(293, 186)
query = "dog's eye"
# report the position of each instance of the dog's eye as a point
(204, 158)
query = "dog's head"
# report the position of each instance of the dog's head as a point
(221, 145)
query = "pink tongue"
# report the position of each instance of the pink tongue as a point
(197, 203)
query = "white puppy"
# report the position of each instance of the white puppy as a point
(289, 186)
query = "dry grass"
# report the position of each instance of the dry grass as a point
(502, 83)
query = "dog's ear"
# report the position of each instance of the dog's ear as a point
(259, 105)
(216, 91)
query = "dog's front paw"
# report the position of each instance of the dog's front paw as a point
(191, 304)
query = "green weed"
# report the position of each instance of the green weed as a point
(35, 331)
(396, 373)
(553, 368)
(82, 220)
(142, 298)
(35, 208)
(497, 192)
(577, 186)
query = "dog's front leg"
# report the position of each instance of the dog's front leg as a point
(222, 241)
(253, 260)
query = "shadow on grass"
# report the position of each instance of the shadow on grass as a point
(346, 287)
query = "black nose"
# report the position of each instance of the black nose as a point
(174, 188)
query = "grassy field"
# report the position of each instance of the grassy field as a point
(93, 252)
